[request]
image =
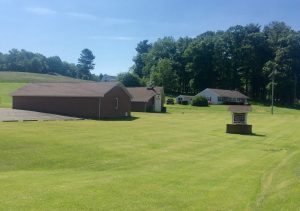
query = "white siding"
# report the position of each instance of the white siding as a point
(183, 98)
(210, 95)
(157, 103)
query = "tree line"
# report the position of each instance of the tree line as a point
(243, 58)
(26, 61)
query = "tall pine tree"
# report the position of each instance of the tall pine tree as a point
(85, 64)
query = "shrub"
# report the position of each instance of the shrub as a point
(199, 101)
(184, 102)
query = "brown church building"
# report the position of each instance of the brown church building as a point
(147, 99)
(85, 100)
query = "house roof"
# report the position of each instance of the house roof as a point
(144, 94)
(240, 108)
(67, 89)
(228, 93)
(185, 96)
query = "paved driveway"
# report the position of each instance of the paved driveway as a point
(7, 115)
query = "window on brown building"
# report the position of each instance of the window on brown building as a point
(117, 103)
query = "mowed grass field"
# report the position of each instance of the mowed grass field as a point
(5, 90)
(25, 77)
(182, 160)
(10, 81)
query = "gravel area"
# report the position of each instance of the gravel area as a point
(12, 115)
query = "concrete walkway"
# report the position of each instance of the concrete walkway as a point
(12, 115)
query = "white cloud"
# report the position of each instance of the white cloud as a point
(83, 16)
(110, 20)
(125, 38)
(40, 10)
(106, 20)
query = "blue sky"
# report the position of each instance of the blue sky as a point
(112, 28)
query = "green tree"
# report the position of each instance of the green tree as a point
(55, 65)
(70, 69)
(199, 55)
(85, 64)
(164, 75)
(280, 39)
(129, 79)
(142, 49)
(39, 65)
(184, 75)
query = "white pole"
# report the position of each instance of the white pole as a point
(272, 109)
(274, 72)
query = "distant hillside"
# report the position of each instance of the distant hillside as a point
(24, 77)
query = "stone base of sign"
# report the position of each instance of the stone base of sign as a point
(239, 129)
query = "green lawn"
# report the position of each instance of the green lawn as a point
(5, 90)
(174, 161)
(24, 77)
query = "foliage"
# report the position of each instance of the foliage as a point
(85, 64)
(199, 101)
(164, 75)
(26, 61)
(129, 79)
(142, 49)
(240, 58)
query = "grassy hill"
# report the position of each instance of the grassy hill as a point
(5, 90)
(182, 160)
(10, 81)
(24, 77)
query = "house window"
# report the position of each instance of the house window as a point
(117, 103)
(221, 99)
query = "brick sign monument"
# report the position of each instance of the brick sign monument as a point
(239, 120)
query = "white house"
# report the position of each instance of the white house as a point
(182, 99)
(221, 96)
(109, 78)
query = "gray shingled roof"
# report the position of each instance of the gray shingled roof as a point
(228, 93)
(66, 89)
(186, 96)
(143, 94)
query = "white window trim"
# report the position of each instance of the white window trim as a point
(117, 103)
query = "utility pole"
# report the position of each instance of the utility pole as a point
(273, 82)
(272, 104)
(295, 88)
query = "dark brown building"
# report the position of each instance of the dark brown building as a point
(86, 100)
(147, 99)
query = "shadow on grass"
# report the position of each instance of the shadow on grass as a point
(124, 119)
(252, 134)
(159, 112)
(258, 135)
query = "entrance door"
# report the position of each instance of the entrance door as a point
(157, 103)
